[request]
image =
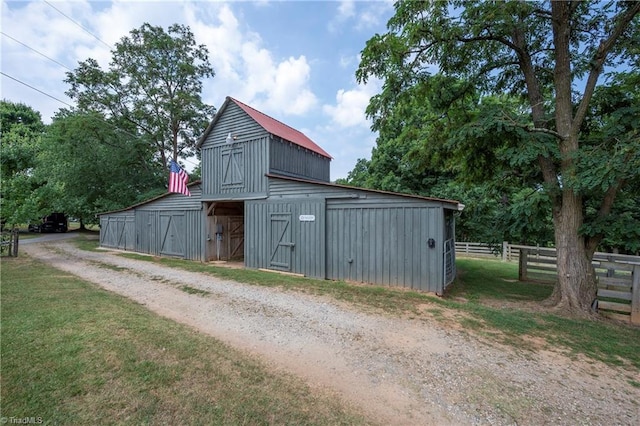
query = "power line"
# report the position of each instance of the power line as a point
(36, 89)
(71, 106)
(79, 25)
(31, 48)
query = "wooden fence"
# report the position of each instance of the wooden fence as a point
(9, 243)
(508, 253)
(618, 275)
(475, 249)
(618, 279)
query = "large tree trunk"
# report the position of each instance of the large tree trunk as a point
(576, 287)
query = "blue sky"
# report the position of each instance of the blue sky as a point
(293, 60)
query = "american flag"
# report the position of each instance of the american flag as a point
(178, 179)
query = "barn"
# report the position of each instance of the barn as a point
(265, 199)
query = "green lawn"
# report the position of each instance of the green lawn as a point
(75, 354)
(484, 283)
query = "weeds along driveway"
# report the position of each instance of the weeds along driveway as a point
(400, 371)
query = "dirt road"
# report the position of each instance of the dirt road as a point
(399, 371)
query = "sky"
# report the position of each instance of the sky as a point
(293, 60)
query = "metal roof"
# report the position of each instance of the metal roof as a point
(271, 125)
(451, 203)
(142, 203)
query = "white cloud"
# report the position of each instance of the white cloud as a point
(285, 85)
(348, 134)
(365, 16)
(246, 69)
(244, 66)
(350, 106)
(290, 93)
(344, 12)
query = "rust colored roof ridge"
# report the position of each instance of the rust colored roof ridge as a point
(281, 129)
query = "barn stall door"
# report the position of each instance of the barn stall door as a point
(172, 234)
(281, 244)
(236, 237)
(108, 235)
(125, 233)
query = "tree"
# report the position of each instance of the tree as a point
(90, 166)
(418, 152)
(22, 130)
(154, 81)
(551, 56)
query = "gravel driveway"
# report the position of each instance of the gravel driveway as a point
(399, 371)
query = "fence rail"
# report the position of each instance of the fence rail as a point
(618, 275)
(9, 243)
(487, 250)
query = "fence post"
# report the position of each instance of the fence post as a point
(635, 295)
(15, 236)
(505, 248)
(522, 269)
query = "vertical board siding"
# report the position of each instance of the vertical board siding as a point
(144, 226)
(145, 231)
(250, 156)
(384, 245)
(176, 233)
(118, 231)
(308, 253)
(251, 138)
(288, 159)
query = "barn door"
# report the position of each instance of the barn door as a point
(233, 167)
(280, 241)
(236, 237)
(172, 234)
(125, 230)
(108, 234)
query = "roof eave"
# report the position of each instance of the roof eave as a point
(451, 204)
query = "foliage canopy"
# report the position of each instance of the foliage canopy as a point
(154, 81)
(498, 92)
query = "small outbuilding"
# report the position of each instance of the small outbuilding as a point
(265, 199)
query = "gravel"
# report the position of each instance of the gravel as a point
(397, 371)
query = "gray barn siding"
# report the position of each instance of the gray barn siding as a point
(118, 231)
(170, 225)
(264, 224)
(221, 179)
(384, 245)
(235, 121)
(375, 237)
(252, 141)
(292, 160)
(146, 235)
(175, 201)
(283, 189)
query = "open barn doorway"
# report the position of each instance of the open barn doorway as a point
(225, 231)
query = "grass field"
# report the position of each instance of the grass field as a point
(75, 354)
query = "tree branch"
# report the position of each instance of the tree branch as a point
(605, 209)
(543, 130)
(598, 61)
